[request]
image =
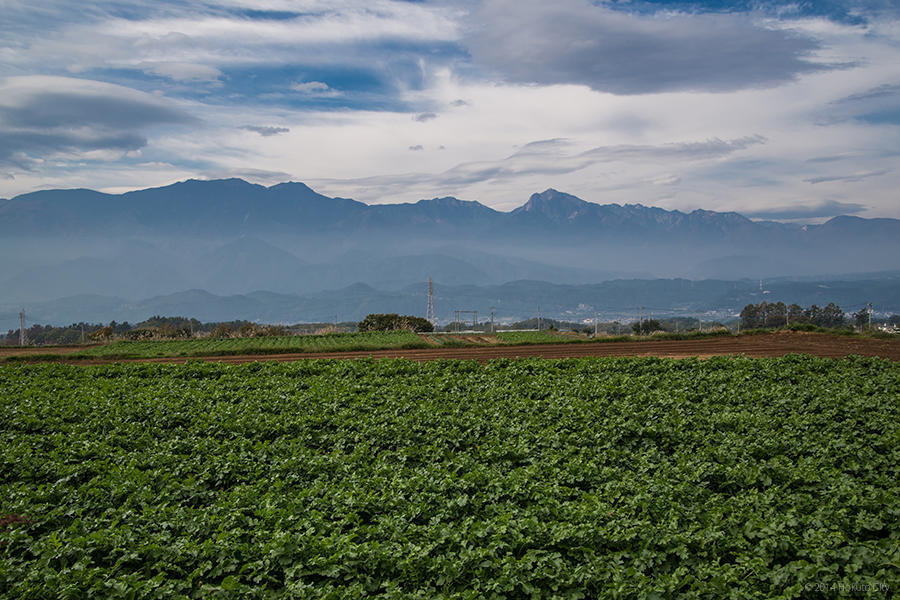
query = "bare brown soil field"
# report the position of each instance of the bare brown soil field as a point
(764, 345)
(20, 351)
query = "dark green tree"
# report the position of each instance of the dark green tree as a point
(750, 318)
(833, 316)
(646, 327)
(776, 314)
(796, 314)
(394, 322)
(222, 330)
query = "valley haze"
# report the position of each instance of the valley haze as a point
(229, 249)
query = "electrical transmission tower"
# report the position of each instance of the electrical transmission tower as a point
(429, 312)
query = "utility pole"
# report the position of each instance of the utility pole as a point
(82, 333)
(492, 319)
(870, 316)
(596, 324)
(429, 311)
(539, 317)
(641, 322)
(22, 327)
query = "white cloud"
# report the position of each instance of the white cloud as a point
(42, 116)
(196, 42)
(576, 41)
(315, 88)
(351, 22)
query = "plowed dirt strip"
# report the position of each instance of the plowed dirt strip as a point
(21, 351)
(777, 344)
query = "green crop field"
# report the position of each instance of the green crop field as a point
(592, 478)
(550, 337)
(534, 337)
(331, 342)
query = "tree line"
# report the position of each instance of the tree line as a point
(778, 314)
(154, 328)
(767, 315)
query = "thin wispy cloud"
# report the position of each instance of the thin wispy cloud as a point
(180, 71)
(315, 88)
(542, 158)
(265, 131)
(828, 208)
(852, 178)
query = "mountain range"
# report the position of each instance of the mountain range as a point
(232, 238)
(232, 207)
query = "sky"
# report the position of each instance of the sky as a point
(777, 110)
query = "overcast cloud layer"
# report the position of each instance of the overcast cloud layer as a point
(776, 109)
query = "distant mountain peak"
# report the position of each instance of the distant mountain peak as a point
(444, 200)
(295, 185)
(451, 202)
(233, 182)
(552, 197)
(554, 205)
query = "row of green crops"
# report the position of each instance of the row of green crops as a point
(331, 342)
(592, 478)
(538, 337)
(549, 337)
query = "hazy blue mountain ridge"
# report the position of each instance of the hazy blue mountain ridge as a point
(231, 237)
(233, 206)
